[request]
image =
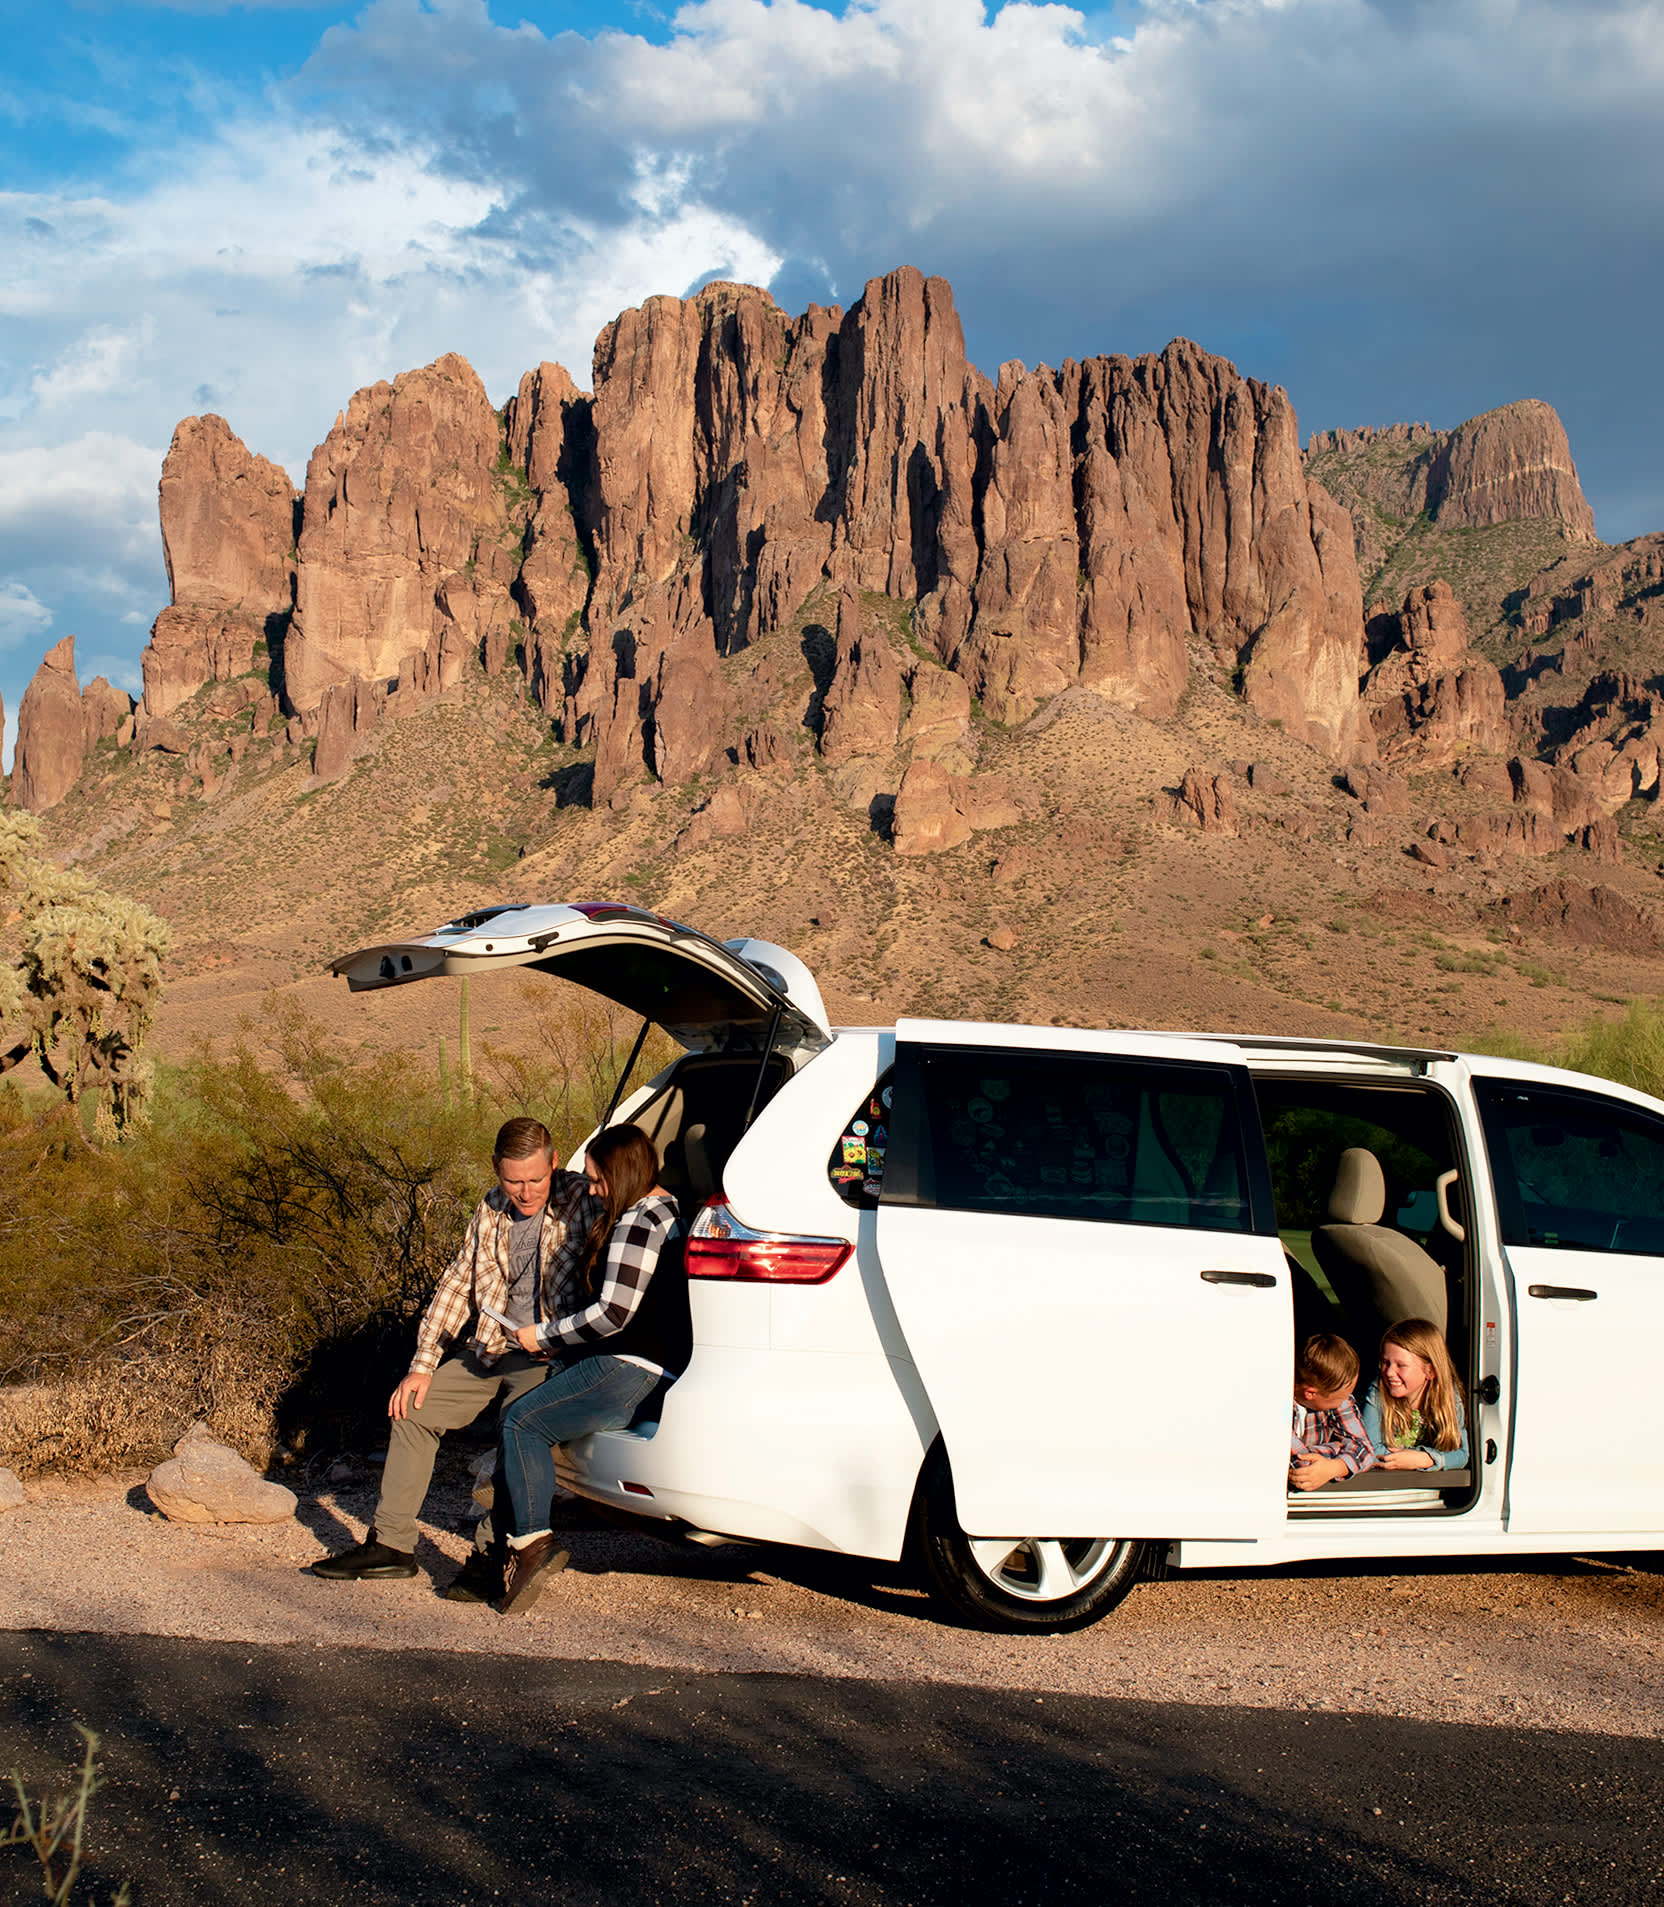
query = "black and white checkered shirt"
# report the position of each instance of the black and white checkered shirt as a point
(628, 1263)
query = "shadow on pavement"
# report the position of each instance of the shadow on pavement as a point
(284, 1774)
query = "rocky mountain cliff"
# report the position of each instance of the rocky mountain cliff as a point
(1089, 526)
(810, 615)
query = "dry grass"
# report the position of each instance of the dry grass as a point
(130, 1411)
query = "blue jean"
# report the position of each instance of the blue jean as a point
(597, 1393)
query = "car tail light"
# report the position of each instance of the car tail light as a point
(723, 1246)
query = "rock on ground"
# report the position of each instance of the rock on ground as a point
(207, 1482)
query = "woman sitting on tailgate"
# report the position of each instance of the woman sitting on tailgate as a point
(627, 1328)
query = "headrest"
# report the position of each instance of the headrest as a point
(1359, 1194)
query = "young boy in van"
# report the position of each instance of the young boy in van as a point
(1328, 1440)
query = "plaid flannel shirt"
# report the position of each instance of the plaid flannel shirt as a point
(632, 1255)
(1336, 1433)
(479, 1273)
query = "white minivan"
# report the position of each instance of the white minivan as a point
(1023, 1300)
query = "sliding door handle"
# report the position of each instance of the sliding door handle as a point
(1562, 1291)
(1262, 1278)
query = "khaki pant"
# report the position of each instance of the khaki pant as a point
(462, 1388)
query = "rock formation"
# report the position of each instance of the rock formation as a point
(51, 733)
(936, 545)
(1431, 697)
(935, 810)
(228, 533)
(1205, 801)
(1077, 526)
(1508, 466)
(406, 549)
(1074, 527)
(104, 708)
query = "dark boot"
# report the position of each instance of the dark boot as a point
(527, 1571)
(370, 1562)
(480, 1579)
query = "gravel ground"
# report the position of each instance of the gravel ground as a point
(1546, 1642)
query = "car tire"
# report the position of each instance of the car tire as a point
(1021, 1585)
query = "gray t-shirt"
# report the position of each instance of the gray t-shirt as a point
(524, 1239)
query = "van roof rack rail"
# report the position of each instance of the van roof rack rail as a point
(1366, 1049)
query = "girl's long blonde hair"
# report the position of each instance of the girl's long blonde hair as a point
(1441, 1420)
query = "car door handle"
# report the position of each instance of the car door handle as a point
(1562, 1291)
(1262, 1278)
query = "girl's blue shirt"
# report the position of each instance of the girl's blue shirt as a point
(1456, 1459)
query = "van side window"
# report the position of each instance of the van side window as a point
(856, 1167)
(1574, 1171)
(1072, 1135)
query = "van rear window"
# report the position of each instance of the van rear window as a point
(1070, 1135)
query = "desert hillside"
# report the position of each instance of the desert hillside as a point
(1078, 695)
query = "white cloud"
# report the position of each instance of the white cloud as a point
(23, 618)
(90, 503)
(99, 361)
(1354, 196)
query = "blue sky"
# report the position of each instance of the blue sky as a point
(1396, 208)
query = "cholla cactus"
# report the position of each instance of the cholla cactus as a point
(85, 981)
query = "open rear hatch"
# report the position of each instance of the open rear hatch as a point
(710, 996)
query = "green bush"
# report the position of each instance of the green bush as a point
(258, 1253)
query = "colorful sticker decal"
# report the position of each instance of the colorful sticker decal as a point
(855, 1152)
(885, 1096)
(846, 1174)
(859, 1128)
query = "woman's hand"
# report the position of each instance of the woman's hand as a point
(526, 1338)
(1407, 1460)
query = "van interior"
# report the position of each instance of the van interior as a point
(700, 1115)
(1368, 1180)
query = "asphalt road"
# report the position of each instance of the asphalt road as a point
(303, 1774)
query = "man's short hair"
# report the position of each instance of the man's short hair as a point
(521, 1139)
(1327, 1363)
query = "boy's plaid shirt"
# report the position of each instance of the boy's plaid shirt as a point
(1335, 1433)
(479, 1273)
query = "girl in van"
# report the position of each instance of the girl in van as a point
(1413, 1414)
(626, 1330)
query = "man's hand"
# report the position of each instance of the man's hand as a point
(1311, 1473)
(526, 1338)
(410, 1395)
(1407, 1460)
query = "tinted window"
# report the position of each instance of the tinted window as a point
(1064, 1135)
(1574, 1170)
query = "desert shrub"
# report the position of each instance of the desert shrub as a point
(258, 1252)
(1629, 1050)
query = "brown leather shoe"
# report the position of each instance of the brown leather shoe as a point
(526, 1572)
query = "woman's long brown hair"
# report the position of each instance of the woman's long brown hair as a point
(1441, 1422)
(625, 1158)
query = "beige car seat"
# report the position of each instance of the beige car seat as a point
(1380, 1276)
